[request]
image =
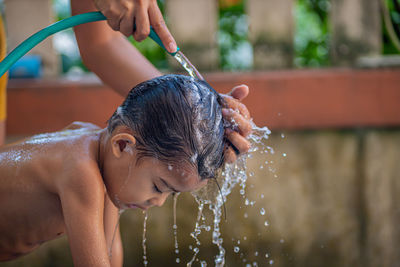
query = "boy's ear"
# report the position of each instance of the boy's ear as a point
(122, 142)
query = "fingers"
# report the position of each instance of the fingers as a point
(230, 102)
(126, 23)
(239, 92)
(237, 140)
(229, 155)
(123, 15)
(158, 23)
(237, 121)
(142, 23)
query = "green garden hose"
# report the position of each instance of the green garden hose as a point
(36, 38)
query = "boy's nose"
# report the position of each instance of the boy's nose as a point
(159, 201)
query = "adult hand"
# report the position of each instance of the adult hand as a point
(236, 112)
(123, 14)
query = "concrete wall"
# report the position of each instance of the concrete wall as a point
(334, 202)
(26, 17)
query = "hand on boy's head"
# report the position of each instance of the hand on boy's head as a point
(121, 14)
(236, 111)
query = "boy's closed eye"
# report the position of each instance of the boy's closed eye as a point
(156, 189)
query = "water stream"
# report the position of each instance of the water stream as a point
(175, 227)
(145, 261)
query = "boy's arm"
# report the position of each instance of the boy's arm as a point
(82, 199)
(109, 54)
(111, 228)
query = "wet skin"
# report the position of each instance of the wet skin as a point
(56, 183)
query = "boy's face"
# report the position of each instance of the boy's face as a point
(150, 182)
(145, 183)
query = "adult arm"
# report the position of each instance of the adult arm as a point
(109, 54)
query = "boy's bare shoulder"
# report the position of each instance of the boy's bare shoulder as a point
(82, 125)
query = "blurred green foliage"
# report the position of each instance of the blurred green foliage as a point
(312, 33)
(235, 49)
(394, 10)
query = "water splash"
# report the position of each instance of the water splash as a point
(232, 175)
(188, 66)
(196, 233)
(145, 262)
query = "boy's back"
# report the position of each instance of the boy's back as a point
(32, 175)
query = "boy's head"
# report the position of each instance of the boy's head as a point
(173, 122)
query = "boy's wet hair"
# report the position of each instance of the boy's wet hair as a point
(175, 118)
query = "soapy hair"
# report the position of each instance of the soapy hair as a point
(175, 118)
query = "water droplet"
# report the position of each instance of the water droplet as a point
(266, 223)
(256, 253)
(284, 154)
(282, 135)
(267, 255)
(261, 167)
(251, 174)
(271, 262)
(236, 249)
(246, 202)
(282, 241)
(245, 215)
(262, 196)
(245, 238)
(178, 260)
(262, 211)
(241, 191)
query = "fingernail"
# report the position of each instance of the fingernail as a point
(172, 47)
(226, 111)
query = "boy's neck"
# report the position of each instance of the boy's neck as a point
(102, 146)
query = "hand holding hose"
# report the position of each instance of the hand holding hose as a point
(122, 15)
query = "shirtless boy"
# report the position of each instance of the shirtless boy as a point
(167, 136)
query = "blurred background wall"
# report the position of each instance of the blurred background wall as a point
(323, 75)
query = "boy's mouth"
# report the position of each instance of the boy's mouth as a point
(134, 206)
